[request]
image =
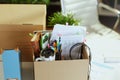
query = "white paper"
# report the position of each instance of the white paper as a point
(70, 35)
(101, 71)
(64, 30)
(105, 47)
(68, 42)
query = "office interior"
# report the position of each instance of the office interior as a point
(106, 18)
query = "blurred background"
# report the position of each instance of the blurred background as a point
(105, 16)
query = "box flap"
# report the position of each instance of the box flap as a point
(17, 27)
(23, 14)
(12, 36)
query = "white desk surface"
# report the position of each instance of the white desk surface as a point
(101, 49)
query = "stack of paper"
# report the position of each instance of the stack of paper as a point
(70, 35)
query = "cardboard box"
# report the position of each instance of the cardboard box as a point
(34, 14)
(13, 36)
(16, 22)
(63, 70)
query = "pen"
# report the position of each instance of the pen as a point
(59, 47)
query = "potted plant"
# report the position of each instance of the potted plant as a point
(59, 18)
(26, 1)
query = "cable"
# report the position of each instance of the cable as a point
(76, 52)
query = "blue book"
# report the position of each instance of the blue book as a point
(11, 64)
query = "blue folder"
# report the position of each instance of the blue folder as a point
(11, 65)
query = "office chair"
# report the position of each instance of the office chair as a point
(86, 11)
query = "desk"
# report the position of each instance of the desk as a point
(101, 49)
(1, 71)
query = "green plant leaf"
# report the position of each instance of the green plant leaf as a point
(29, 2)
(59, 18)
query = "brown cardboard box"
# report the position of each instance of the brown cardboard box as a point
(34, 14)
(13, 36)
(63, 70)
(16, 22)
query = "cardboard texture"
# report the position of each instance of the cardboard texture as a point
(13, 36)
(16, 22)
(62, 70)
(23, 14)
